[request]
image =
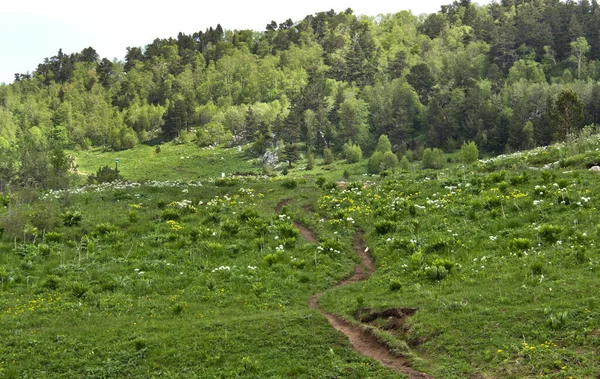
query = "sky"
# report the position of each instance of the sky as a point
(33, 30)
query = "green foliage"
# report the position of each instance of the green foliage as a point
(104, 174)
(434, 159)
(383, 145)
(469, 153)
(71, 218)
(213, 133)
(327, 156)
(404, 164)
(389, 161)
(520, 244)
(289, 183)
(374, 165)
(310, 162)
(352, 152)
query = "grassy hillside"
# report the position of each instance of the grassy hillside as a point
(205, 279)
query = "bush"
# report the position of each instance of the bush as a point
(469, 153)
(212, 133)
(71, 218)
(436, 272)
(352, 152)
(104, 175)
(395, 285)
(374, 166)
(434, 159)
(519, 244)
(320, 181)
(404, 164)
(289, 183)
(384, 145)
(327, 156)
(170, 214)
(389, 162)
(54, 237)
(384, 226)
(310, 162)
(549, 233)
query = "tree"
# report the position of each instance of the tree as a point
(353, 116)
(389, 161)
(433, 158)
(291, 153)
(567, 114)
(374, 165)
(327, 156)
(352, 152)
(579, 48)
(422, 80)
(469, 153)
(384, 145)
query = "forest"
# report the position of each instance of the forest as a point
(508, 76)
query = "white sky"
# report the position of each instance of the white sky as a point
(35, 29)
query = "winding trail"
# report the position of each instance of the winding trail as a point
(361, 338)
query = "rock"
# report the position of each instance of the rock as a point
(595, 169)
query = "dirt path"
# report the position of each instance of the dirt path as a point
(361, 338)
(307, 234)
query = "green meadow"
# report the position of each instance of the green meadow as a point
(179, 272)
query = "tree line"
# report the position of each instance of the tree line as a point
(510, 75)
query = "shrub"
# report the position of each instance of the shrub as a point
(389, 162)
(248, 214)
(310, 162)
(469, 153)
(383, 145)
(320, 180)
(374, 165)
(104, 175)
(549, 233)
(271, 259)
(71, 218)
(231, 227)
(519, 244)
(289, 183)
(54, 237)
(133, 216)
(287, 231)
(213, 133)
(395, 285)
(352, 152)
(327, 156)
(436, 272)
(384, 226)
(170, 214)
(443, 262)
(105, 228)
(404, 164)
(433, 159)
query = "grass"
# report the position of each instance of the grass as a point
(205, 280)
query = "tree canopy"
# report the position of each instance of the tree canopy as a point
(507, 76)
